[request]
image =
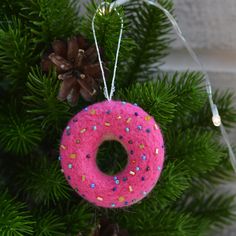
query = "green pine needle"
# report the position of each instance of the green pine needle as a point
(49, 224)
(42, 100)
(15, 220)
(19, 135)
(42, 181)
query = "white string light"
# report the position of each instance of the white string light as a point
(101, 10)
(216, 119)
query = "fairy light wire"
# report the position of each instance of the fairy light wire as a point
(216, 119)
(106, 93)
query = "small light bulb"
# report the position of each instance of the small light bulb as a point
(216, 120)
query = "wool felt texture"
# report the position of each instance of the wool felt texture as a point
(135, 130)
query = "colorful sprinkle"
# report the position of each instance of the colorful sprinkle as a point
(127, 129)
(135, 104)
(123, 103)
(159, 168)
(147, 118)
(130, 142)
(62, 171)
(117, 181)
(86, 109)
(94, 127)
(143, 178)
(144, 157)
(156, 127)
(119, 117)
(92, 185)
(132, 173)
(137, 168)
(157, 151)
(144, 193)
(131, 152)
(83, 131)
(93, 112)
(124, 179)
(73, 155)
(133, 161)
(70, 166)
(100, 199)
(136, 113)
(59, 158)
(139, 127)
(108, 112)
(77, 141)
(75, 120)
(88, 156)
(130, 189)
(114, 189)
(148, 130)
(115, 178)
(83, 178)
(126, 203)
(121, 199)
(147, 168)
(67, 127)
(141, 146)
(107, 124)
(63, 147)
(120, 137)
(128, 120)
(68, 177)
(113, 205)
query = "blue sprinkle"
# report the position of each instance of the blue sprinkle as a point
(108, 112)
(127, 129)
(86, 109)
(159, 168)
(144, 193)
(131, 152)
(124, 179)
(123, 103)
(114, 189)
(139, 127)
(59, 158)
(68, 177)
(92, 185)
(143, 178)
(67, 127)
(135, 104)
(117, 181)
(69, 166)
(94, 127)
(137, 168)
(148, 130)
(113, 205)
(126, 203)
(136, 113)
(144, 157)
(115, 178)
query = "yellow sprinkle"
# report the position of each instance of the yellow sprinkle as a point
(83, 178)
(99, 198)
(93, 112)
(119, 117)
(73, 155)
(121, 199)
(141, 146)
(156, 127)
(132, 173)
(63, 147)
(157, 151)
(147, 118)
(130, 189)
(77, 141)
(107, 124)
(82, 131)
(128, 120)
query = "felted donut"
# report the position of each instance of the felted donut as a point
(135, 130)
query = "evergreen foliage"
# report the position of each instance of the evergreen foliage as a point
(32, 119)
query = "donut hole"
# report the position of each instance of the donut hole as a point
(111, 157)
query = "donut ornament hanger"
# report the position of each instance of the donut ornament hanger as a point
(121, 121)
(132, 127)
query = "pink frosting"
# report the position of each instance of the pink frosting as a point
(135, 130)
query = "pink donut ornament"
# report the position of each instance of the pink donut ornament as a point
(135, 130)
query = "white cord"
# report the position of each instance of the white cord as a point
(106, 93)
(216, 119)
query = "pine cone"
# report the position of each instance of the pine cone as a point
(106, 228)
(77, 66)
